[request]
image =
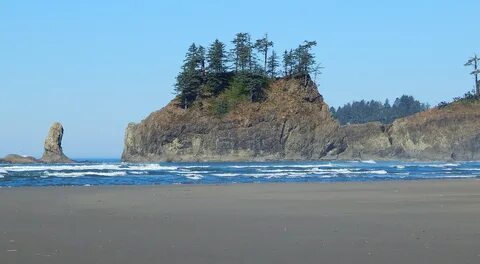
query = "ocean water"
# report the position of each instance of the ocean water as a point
(117, 173)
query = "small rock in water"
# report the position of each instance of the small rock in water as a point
(53, 152)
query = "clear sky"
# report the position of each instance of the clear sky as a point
(96, 65)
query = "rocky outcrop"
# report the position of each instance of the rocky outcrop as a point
(293, 123)
(447, 133)
(14, 158)
(53, 152)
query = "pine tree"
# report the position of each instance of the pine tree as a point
(216, 57)
(288, 62)
(474, 62)
(262, 45)
(272, 65)
(305, 60)
(217, 77)
(242, 54)
(189, 80)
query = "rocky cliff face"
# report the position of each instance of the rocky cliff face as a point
(53, 152)
(293, 123)
(449, 133)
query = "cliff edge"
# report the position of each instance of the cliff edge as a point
(292, 123)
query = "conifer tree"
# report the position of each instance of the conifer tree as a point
(216, 57)
(475, 63)
(272, 65)
(262, 45)
(189, 79)
(242, 54)
(305, 60)
(288, 62)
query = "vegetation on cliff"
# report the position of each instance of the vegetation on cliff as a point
(242, 73)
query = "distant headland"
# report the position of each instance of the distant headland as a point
(240, 105)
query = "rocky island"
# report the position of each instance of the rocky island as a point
(253, 114)
(294, 123)
(53, 152)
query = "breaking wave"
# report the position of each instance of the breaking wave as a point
(106, 173)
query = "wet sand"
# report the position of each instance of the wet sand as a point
(387, 222)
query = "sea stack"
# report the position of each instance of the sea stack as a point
(53, 152)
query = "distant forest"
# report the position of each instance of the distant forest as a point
(359, 112)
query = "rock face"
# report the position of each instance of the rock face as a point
(53, 152)
(14, 158)
(293, 123)
(449, 133)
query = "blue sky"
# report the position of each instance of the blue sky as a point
(95, 66)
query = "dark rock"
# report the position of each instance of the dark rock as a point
(14, 158)
(53, 152)
(294, 123)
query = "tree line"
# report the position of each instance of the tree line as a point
(359, 112)
(207, 72)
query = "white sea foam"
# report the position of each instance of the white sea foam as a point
(194, 177)
(84, 173)
(89, 167)
(248, 166)
(399, 167)
(225, 174)
(2, 171)
(369, 161)
(443, 165)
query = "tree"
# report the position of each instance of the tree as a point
(305, 59)
(272, 65)
(363, 111)
(242, 52)
(288, 62)
(190, 79)
(262, 46)
(216, 57)
(474, 62)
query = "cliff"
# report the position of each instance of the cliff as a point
(294, 123)
(447, 133)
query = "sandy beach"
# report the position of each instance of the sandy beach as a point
(381, 222)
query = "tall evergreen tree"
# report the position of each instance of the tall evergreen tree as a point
(262, 45)
(201, 60)
(242, 54)
(305, 59)
(216, 57)
(474, 62)
(288, 62)
(272, 65)
(189, 80)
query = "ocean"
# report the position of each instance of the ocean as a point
(117, 173)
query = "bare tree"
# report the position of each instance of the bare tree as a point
(474, 62)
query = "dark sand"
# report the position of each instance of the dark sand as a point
(393, 222)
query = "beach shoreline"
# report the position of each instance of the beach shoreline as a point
(428, 221)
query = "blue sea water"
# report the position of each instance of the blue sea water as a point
(116, 173)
